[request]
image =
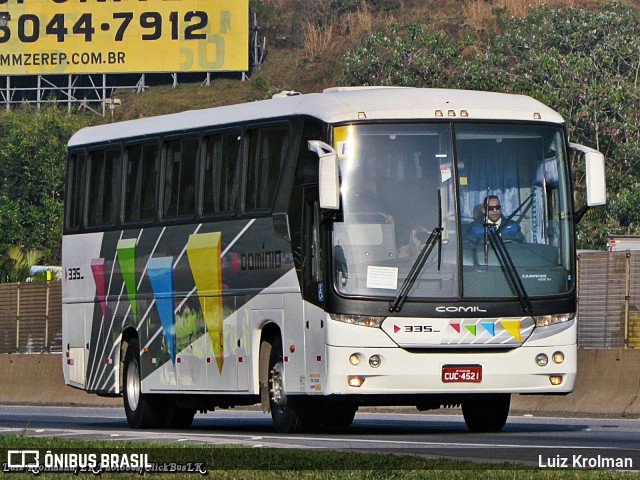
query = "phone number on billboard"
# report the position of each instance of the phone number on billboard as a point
(29, 28)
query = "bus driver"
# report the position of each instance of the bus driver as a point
(492, 215)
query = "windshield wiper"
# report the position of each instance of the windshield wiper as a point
(416, 268)
(507, 263)
(398, 302)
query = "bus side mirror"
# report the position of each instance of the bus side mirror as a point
(595, 177)
(329, 174)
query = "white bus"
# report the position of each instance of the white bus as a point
(317, 253)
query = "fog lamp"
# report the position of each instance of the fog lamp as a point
(555, 379)
(355, 381)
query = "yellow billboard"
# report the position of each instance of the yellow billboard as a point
(44, 37)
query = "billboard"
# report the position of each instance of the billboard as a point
(45, 37)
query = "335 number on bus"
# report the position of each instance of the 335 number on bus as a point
(73, 273)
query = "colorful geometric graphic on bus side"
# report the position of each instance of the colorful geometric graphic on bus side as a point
(489, 327)
(126, 249)
(160, 271)
(203, 252)
(512, 326)
(97, 268)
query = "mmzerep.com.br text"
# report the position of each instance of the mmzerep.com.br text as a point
(61, 58)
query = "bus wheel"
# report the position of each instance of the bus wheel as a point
(487, 413)
(137, 406)
(289, 415)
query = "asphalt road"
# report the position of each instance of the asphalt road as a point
(538, 441)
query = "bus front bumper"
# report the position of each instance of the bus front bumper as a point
(403, 372)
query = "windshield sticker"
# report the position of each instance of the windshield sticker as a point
(344, 142)
(445, 173)
(345, 149)
(382, 277)
(540, 277)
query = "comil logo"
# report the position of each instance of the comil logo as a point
(473, 309)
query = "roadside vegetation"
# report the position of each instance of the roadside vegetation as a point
(581, 57)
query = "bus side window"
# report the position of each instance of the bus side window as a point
(141, 185)
(317, 271)
(312, 260)
(75, 190)
(221, 161)
(180, 177)
(103, 179)
(268, 149)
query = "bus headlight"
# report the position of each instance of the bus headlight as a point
(542, 360)
(365, 320)
(375, 361)
(354, 359)
(547, 320)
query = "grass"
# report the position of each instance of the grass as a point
(479, 12)
(225, 462)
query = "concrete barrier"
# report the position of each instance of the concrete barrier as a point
(608, 384)
(37, 380)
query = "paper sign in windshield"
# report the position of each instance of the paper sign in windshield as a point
(382, 277)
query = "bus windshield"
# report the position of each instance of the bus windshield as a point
(402, 182)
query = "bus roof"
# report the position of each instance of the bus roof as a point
(335, 105)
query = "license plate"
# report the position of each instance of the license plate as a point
(462, 373)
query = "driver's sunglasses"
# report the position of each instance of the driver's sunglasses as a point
(491, 208)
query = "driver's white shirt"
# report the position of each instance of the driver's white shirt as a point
(497, 224)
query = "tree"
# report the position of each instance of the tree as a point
(583, 63)
(16, 264)
(32, 170)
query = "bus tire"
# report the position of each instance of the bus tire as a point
(487, 413)
(289, 414)
(139, 407)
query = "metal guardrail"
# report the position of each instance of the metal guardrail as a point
(608, 307)
(609, 299)
(31, 317)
